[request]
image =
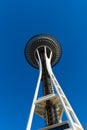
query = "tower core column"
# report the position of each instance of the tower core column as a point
(51, 112)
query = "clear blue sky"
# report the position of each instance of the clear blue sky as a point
(21, 19)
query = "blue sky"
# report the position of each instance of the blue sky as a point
(21, 19)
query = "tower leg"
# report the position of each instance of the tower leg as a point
(73, 120)
(35, 95)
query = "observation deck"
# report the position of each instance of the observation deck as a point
(38, 42)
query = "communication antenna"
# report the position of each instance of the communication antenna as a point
(43, 51)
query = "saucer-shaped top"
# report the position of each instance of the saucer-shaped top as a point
(42, 40)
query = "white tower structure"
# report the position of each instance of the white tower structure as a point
(43, 51)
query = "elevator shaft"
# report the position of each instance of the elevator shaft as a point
(51, 111)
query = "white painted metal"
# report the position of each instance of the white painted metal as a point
(72, 118)
(35, 95)
(41, 106)
(70, 114)
(56, 125)
(45, 98)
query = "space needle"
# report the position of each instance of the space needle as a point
(43, 51)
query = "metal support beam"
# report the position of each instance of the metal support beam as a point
(70, 115)
(36, 94)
